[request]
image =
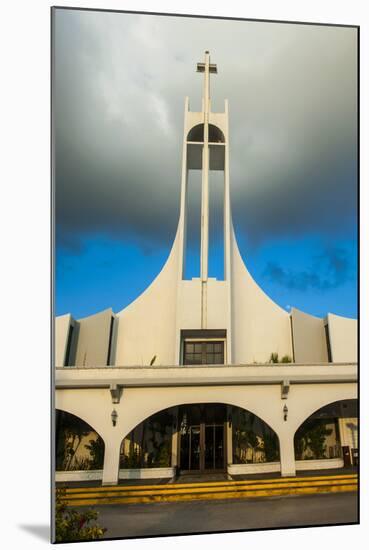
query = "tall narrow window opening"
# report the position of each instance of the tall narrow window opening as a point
(68, 354)
(216, 225)
(326, 328)
(108, 362)
(193, 229)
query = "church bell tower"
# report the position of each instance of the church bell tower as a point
(205, 148)
(203, 320)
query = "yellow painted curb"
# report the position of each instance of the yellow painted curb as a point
(206, 496)
(209, 483)
(208, 491)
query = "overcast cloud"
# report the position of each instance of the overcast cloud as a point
(120, 83)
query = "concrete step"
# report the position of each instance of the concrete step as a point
(88, 496)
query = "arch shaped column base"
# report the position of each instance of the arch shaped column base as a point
(287, 456)
(111, 464)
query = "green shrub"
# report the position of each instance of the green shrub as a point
(275, 359)
(71, 525)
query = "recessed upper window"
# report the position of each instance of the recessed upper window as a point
(203, 347)
(203, 353)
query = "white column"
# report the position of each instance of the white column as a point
(205, 199)
(287, 453)
(111, 463)
(205, 212)
(204, 230)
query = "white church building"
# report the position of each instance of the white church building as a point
(203, 375)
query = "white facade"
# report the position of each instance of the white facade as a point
(111, 354)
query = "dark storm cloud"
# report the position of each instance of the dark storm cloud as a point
(120, 82)
(329, 270)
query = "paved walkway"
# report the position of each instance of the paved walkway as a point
(145, 520)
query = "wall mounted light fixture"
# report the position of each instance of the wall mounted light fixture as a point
(114, 417)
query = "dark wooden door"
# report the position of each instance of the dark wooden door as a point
(203, 448)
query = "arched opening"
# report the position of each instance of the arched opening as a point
(330, 433)
(196, 134)
(149, 444)
(253, 440)
(199, 438)
(78, 445)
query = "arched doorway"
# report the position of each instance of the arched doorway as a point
(330, 433)
(78, 445)
(201, 438)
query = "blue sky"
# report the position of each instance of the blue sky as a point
(112, 273)
(120, 82)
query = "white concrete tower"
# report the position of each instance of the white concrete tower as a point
(205, 148)
(173, 310)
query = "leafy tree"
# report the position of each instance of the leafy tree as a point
(71, 525)
(164, 455)
(96, 448)
(316, 440)
(160, 440)
(70, 431)
(271, 447)
(311, 436)
(246, 434)
(300, 445)
(132, 460)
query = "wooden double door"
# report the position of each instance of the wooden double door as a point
(202, 438)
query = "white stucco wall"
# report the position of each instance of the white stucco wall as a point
(258, 468)
(146, 473)
(129, 473)
(62, 324)
(259, 326)
(147, 326)
(79, 475)
(322, 464)
(189, 304)
(94, 405)
(217, 304)
(309, 340)
(93, 339)
(343, 338)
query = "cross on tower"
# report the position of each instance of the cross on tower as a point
(207, 68)
(205, 148)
